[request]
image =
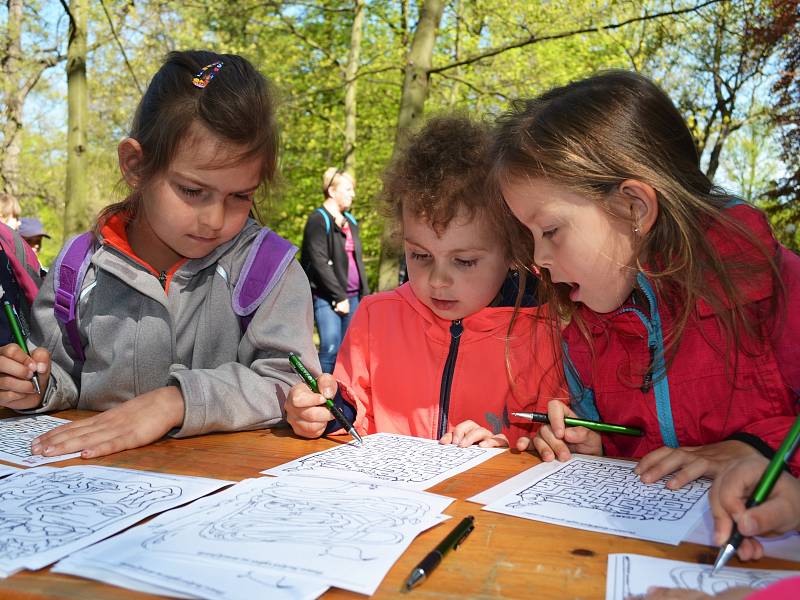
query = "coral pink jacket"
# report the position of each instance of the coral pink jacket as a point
(407, 371)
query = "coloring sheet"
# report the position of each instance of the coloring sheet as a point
(786, 546)
(47, 513)
(332, 532)
(630, 575)
(390, 459)
(7, 470)
(116, 561)
(16, 434)
(605, 495)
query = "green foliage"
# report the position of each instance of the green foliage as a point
(303, 47)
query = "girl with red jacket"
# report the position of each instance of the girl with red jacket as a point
(442, 356)
(679, 309)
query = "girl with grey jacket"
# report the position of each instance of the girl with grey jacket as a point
(161, 348)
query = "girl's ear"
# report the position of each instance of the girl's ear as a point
(642, 202)
(130, 156)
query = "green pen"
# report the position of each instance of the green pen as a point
(573, 422)
(762, 491)
(301, 370)
(16, 331)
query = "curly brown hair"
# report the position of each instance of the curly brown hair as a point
(443, 174)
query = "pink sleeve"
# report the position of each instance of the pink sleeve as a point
(352, 370)
(785, 589)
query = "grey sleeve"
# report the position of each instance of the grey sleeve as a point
(62, 390)
(250, 393)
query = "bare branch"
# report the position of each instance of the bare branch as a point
(121, 47)
(556, 36)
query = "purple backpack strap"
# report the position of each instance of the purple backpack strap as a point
(266, 262)
(70, 269)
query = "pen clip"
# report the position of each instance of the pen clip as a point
(464, 536)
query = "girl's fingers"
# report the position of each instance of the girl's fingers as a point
(474, 436)
(553, 447)
(555, 414)
(650, 459)
(447, 438)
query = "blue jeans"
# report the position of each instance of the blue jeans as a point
(331, 327)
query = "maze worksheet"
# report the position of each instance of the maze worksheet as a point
(45, 513)
(310, 530)
(601, 494)
(17, 433)
(630, 576)
(390, 459)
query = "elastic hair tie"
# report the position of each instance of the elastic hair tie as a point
(206, 74)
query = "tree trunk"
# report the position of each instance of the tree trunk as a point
(412, 103)
(351, 71)
(13, 100)
(76, 217)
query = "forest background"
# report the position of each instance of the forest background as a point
(356, 76)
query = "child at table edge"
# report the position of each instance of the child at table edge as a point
(440, 357)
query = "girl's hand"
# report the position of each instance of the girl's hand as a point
(691, 462)
(469, 433)
(342, 307)
(132, 424)
(306, 411)
(776, 515)
(16, 372)
(556, 440)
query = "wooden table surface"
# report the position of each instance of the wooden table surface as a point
(505, 557)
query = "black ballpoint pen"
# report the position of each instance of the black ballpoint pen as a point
(301, 370)
(426, 566)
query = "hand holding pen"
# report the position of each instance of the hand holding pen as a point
(304, 412)
(556, 440)
(22, 376)
(761, 492)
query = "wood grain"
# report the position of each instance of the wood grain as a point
(505, 557)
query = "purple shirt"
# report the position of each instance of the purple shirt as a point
(353, 278)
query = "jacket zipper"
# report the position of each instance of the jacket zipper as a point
(456, 329)
(162, 279)
(647, 382)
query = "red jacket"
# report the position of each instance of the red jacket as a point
(696, 402)
(393, 367)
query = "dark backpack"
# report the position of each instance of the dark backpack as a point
(20, 277)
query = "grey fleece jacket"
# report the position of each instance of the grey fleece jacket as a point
(138, 337)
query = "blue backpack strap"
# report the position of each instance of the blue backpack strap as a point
(325, 216)
(350, 218)
(70, 269)
(582, 397)
(266, 262)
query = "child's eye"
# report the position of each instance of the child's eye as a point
(463, 262)
(419, 256)
(245, 197)
(191, 192)
(549, 233)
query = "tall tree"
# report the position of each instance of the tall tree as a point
(412, 101)
(13, 99)
(351, 71)
(76, 215)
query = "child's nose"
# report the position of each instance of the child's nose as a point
(439, 277)
(541, 256)
(213, 215)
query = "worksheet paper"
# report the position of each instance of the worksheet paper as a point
(785, 546)
(7, 470)
(600, 494)
(631, 575)
(293, 531)
(17, 433)
(47, 513)
(390, 459)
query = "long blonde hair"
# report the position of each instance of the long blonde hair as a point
(591, 135)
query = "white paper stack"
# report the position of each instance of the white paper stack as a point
(600, 494)
(631, 575)
(288, 537)
(390, 459)
(46, 513)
